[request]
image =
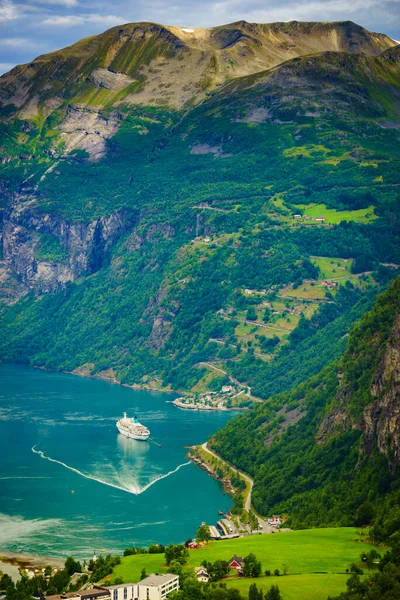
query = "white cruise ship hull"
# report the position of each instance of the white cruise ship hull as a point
(130, 434)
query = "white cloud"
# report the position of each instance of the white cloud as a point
(379, 15)
(20, 43)
(314, 10)
(68, 3)
(8, 11)
(76, 20)
(4, 67)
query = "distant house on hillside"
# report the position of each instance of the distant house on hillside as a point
(275, 521)
(226, 389)
(202, 574)
(193, 545)
(320, 219)
(237, 563)
(297, 216)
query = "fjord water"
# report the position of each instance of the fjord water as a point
(71, 484)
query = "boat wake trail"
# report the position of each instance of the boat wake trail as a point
(125, 488)
(159, 477)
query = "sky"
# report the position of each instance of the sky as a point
(29, 28)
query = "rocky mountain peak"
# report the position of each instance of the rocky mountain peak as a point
(150, 63)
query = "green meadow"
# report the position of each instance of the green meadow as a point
(305, 291)
(333, 216)
(309, 586)
(316, 560)
(331, 268)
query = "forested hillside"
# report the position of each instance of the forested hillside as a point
(327, 453)
(222, 240)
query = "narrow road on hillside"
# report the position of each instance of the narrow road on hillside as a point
(247, 503)
(257, 324)
(232, 379)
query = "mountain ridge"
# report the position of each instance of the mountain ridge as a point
(150, 56)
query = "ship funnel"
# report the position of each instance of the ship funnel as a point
(124, 415)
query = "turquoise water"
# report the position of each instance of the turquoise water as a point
(71, 484)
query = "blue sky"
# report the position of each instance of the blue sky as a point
(29, 28)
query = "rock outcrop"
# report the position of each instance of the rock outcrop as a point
(88, 130)
(84, 246)
(381, 419)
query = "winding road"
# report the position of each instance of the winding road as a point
(247, 503)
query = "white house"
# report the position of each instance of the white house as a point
(123, 591)
(154, 587)
(202, 574)
(157, 587)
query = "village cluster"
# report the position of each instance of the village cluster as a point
(209, 400)
(307, 218)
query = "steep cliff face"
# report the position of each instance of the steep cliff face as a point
(381, 419)
(343, 451)
(75, 248)
(368, 398)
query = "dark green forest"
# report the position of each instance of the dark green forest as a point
(316, 473)
(153, 306)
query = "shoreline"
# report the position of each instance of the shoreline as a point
(15, 563)
(25, 559)
(197, 460)
(204, 407)
(225, 480)
(101, 377)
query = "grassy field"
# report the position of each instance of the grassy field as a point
(305, 291)
(296, 587)
(332, 216)
(332, 267)
(309, 552)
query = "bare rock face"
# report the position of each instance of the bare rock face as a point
(11, 289)
(84, 245)
(336, 420)
(88, 130)
(110, 80)
(380, 420)
(382, 417)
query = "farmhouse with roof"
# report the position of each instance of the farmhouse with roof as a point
(237, 563)
(202, 574)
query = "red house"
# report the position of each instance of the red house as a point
(193, 545)
(237, 563)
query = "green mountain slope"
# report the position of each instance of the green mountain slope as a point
(328, 452)
(147, 63)
(165, 251)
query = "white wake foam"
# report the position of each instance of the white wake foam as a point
(125, 488)
(24, 477)
(18, 529)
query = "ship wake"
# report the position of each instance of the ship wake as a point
(131, 489)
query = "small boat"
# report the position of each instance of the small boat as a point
(131, 428)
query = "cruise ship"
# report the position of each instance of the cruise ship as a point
(131, 428)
